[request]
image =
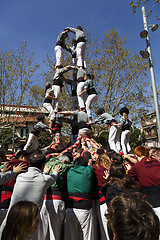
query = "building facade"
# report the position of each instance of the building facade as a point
(20, 118)
(149, 126)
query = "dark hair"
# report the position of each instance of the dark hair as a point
(2, 156)
(87, 156)
(40, 117)
(69, 155)
(92, 76)
(35, 152)
(60, 66)
(49, 150)
(37, 161)
(116, 157)
(89, 75)
(21, 221)
(154, 149)
(100, 151)
(80, 161)
(80, 28)
(21, 153)
(110, 152)
(100, 111)
(124, 110)
(131, 217)
(117, 175)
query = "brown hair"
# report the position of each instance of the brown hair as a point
(47, 86)
(117, 175)
(21, 221)
(104, 160)
(131, 217)
(140, 151)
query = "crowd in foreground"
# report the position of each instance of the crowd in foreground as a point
(83, 192)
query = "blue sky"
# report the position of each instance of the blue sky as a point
(40, 21)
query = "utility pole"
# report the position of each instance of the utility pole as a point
(152, 73)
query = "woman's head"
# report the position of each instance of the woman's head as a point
(140, 151)
(131, 217)
(22, 221)
(104, 160)
(117, 175)
(117, 170)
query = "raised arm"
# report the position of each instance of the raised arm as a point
(67, 113)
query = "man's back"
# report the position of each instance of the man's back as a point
(31, 186)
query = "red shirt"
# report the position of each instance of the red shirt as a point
(147, 171)
(99, 171)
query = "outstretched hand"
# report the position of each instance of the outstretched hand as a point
(58, 168)
(20, 168)
(106, 174)
(47, 169)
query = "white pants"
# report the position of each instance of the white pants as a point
(114, 138)
(58, 51)
(74, 103)
(74, 61)
(31, 138)
(80, 54)
(101, 210)
(57, 93)
(53, 212)
(83, 97)
(125, 141)
(49, 108)
(90, 100)
(78, 224)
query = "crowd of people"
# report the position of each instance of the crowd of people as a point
(84, 191)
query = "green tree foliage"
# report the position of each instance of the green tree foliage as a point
(5, 137)
(44, 139)
(121, 79)
(137, 138)
(103, 138)
(17, 69)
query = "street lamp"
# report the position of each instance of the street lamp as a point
(145, 34)
(144, 54)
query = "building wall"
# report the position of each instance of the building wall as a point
(149, 126)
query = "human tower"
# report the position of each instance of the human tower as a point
(84, 94)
